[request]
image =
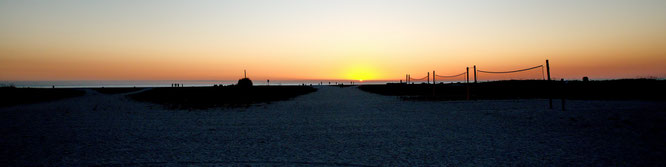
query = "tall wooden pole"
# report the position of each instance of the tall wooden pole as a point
(474, 73)
(467, 74)
(467, 85)
(433, 77)
(433, 83)
(563, 91)
(550, 86)
(548, 69)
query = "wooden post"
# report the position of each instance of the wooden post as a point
(433, 83)
(433, 77)
(467, 85)
(474, 73)
(550, 86)
(548, 69)
(467, 74)
(563, 92)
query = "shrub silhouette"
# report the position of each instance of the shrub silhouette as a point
(245, 82)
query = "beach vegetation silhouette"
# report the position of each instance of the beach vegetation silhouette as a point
(621, 89)
(219, 96)
(117, 90)
(10, 95)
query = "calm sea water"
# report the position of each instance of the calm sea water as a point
(167, 83)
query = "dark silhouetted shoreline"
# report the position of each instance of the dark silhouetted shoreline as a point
(624, 89)
(11, 96)
(116, 90)
(224, 96)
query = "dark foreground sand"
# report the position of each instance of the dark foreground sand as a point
(334, 127)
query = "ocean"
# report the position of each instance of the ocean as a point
(168, 83)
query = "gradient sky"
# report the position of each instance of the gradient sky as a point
(316, 39)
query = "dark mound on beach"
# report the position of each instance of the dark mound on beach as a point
(622, 89)
(625, 89)
(10, 96)
(116, 90)
(226, 96)
(245, 82)
(343, 86)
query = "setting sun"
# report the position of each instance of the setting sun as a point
(361, 73)
(326, 40)
(333, 82)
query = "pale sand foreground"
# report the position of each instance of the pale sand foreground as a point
(336, 127)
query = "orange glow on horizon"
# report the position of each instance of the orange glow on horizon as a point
(328, 40)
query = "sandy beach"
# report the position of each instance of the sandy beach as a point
(334, 127)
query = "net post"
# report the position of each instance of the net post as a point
(433, 83)
(433, 77)
(550, 85)
(563, 92)
(467, 74)
(548, 69)
(467, 80)
(474, 73)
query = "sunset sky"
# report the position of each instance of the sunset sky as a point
(316, 39)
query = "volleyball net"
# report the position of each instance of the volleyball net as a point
(461, 77)
(537, 72)
(419, 80)
(531, 73)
